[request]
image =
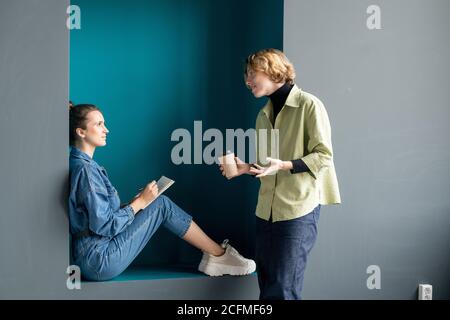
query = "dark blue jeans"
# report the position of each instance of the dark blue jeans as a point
(282, 250)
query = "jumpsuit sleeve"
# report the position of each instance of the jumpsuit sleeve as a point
(103, 218)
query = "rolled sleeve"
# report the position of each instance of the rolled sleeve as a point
(318, 129)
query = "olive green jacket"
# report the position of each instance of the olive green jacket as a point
(304, 132)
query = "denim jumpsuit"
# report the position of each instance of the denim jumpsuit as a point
(106, 237)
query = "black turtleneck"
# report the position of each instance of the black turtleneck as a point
(278, 99)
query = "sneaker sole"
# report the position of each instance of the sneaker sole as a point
(217, 270)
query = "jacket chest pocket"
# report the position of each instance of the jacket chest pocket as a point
(109, 187)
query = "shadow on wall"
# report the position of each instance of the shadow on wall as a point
(64, 195)
(63, 201)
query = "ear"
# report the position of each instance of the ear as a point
(80, 133)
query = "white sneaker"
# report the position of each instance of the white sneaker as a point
(231, 262)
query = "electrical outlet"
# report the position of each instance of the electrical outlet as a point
(425, 292)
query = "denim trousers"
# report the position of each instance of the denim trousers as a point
(282, 250)
(111, 258)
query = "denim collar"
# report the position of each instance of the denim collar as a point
(77, 153)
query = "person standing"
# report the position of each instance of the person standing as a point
(295, 185)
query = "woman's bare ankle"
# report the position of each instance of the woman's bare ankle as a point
(219, 252)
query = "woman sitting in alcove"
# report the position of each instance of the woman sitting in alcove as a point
(107, 237)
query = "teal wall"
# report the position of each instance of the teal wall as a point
(155, 66)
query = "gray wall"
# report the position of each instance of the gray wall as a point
(33, 139)
(387, 95)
